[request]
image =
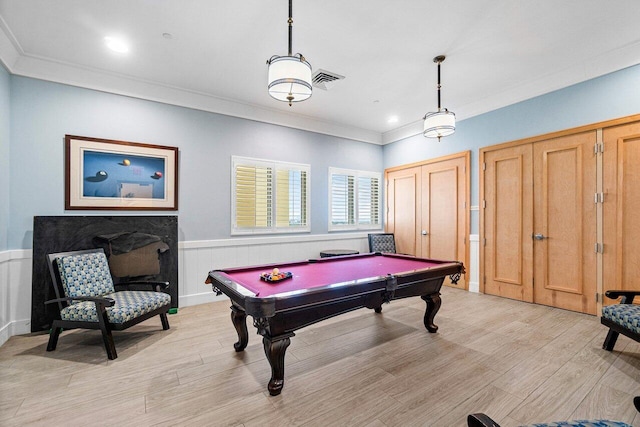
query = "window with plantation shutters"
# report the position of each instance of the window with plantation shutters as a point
(269, 196)
(354, 199)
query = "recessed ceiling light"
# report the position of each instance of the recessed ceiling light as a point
(116, 44)
(393, 119)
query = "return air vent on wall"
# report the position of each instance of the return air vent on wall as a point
(324, 80)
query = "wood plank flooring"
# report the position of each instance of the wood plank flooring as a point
(517, 362)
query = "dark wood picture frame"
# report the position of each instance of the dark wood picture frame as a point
(104, 174)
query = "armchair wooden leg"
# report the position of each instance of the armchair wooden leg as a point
(109, 345)
(164, 320)
(610, 340)
(53, 337)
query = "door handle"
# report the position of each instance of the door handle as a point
(424, 232)
(539, 236)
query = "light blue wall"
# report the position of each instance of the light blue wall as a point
(608, 97)
(5, 119)
(43, 112)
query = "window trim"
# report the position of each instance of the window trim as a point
(275, 165)
(357, 174)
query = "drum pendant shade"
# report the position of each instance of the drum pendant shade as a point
(289, 76)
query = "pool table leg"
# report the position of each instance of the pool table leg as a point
(274, 349)
(239, 319)
(433, 305)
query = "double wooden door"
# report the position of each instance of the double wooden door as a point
(427, 209)
(621, 208)
(561, 219)
(539, 221)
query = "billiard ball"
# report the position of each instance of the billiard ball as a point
(275, 272)
(101, 174)
(158, 174)
(126, 162)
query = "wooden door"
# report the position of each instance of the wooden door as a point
(565, 222)
(403, 201)
(443, 217)
(508, 222)
(621, 208)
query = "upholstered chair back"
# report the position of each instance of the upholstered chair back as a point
(85, 275)
(384, 243)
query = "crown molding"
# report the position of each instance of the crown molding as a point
(21, 64)
(17, 62)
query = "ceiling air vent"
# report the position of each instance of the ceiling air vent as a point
(324, 80)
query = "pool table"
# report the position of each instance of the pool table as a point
(323, 288)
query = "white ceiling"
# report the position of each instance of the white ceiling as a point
(498, 52)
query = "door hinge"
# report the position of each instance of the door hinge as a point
(484, 280)
(598, 198)
(599, 248)
(484, 204)
(597, 297)
(598, 148)
(484, 242)
(484, 166)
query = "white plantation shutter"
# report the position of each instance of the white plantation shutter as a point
(368, 200)
(291, 205)
(354, 199)
(253, 192)
(269, 196)
(343, 206)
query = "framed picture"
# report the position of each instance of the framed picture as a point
(106, 174)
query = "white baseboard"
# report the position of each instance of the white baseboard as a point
(203, 298)
(17, 327)
(4, 334)
(474, 287)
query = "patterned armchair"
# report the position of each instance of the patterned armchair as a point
(482, 420)
(87, 298)
(623, 318)
(382, 242)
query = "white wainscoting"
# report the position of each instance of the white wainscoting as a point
(196, 259)
(15, 293)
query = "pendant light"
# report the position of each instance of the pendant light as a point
(289, 76)
(442, 122)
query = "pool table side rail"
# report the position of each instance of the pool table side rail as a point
(222, 277)
(392, 284)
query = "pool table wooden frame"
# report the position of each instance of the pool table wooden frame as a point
(277, 316)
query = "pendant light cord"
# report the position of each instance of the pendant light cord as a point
(290, 21)
(439, 86)
(438, 60)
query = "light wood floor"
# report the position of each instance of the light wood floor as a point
(515, 361)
